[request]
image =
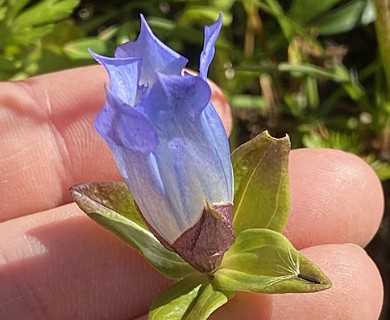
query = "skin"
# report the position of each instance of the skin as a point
(55, 263)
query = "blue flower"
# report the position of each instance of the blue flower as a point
(170, 145)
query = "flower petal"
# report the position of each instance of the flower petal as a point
(142, 176)
(123, 126)
(181, 97)
(124, 76)
(216, 136)
(155, 55)
(210, 37)
(187, 157)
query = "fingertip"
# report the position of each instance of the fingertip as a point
(336, 198)
(245, 306)
(222, 106)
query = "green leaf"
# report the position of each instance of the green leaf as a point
(349, 141)
(27, 36)
(47, 11)
(287, 25)
(262, 192)
(14, 7)
(312, 91)
(249, 102)
(264, 261)
(208, 300)
(312, 70)
(78, 49)
(223, 5)
(111, 205)
(174, 302)
(369, 13)
(203, 13)
(381, 168)
(3, 11)
(342, 19)
(299, 8)
(193, 298)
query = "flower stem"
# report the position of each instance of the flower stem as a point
(382, 25)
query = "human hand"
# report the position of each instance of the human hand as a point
(55, 263)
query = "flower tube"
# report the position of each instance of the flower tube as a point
(170, 145)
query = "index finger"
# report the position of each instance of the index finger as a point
(48, 142)
(47, 139)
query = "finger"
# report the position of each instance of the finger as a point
(246, 305)
(357, 291)
(47, 139)
(59, 265)
(44, 162)
(48, 142)
(336, 198)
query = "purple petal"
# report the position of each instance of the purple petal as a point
(177, 97)
(210, 37)
(155, 55)
(123, 126)
(124, 76)
(216, 136)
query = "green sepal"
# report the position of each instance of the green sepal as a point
(262, 189)
(193, 298)
(111, 205)
(208, 300)
(264, 261)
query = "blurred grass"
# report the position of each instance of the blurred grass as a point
(318, 70)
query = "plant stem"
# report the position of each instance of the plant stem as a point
(382, 25)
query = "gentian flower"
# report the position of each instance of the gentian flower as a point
(170, 145)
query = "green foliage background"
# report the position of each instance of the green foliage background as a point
(318, 70)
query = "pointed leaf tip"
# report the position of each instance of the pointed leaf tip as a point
(264, 261)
